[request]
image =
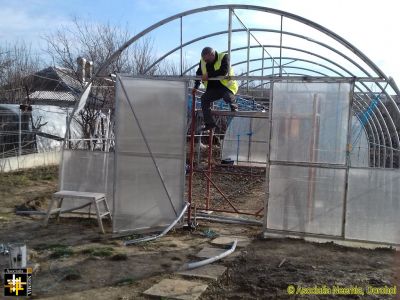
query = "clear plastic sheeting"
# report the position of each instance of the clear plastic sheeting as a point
(373, 205)
(359, 154)
(310, 122)
(150, 153)
(246, 140)
(306, 199)
(86, 171)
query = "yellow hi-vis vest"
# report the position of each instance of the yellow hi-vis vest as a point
(229, 83)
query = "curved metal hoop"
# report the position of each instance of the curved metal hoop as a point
(382, 125)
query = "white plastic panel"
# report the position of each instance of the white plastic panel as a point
(310, 122)
(147, 191)
(305, 199)
(141, 199)
(359, 155)
(373, 205)
(87, 171)
(246, 140)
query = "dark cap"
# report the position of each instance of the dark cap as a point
(206, 51)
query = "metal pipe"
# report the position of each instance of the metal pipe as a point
(368, 133)
(378, 136)
(216, 219)
(385, 125)
(258, 211)
(290, 67)
(210, 260)
(230, 33)
(237, 149)
(231, 173)
(391, 122)
(382, 119)
(164, 232)
(199, 148)
(308, 164)
(300, 60)
(280, 48)
(307, 22)
(228, 218)
(262, 68)
(222, 194)
(191, 155)
(301, 50)
(181, 48)
(299, 78)
(210, 144)
(375, 120)
(19, 133)
(248, 59)
(262, 59)
(249, 31)
(231, 212)
(348, 142)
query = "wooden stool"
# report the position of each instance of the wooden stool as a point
(93, 198)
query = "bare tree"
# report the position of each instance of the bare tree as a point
(17, 63)
(170, 67)
(97, 42)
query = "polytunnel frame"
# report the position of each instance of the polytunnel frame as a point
(378, 127)
(390, 147)
(231, 12)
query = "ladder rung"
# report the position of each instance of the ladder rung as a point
(100, 200)
(105, 214)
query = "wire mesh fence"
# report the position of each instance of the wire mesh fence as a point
(26, 132)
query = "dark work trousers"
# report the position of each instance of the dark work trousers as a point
(212, 95)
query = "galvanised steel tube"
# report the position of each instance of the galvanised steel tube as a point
(164, 232)
(210, 260)
(305, 21)
(373, 131)
(386, 129)
(191, 155)
(375, 121)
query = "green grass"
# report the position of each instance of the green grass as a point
(44, 246)
(124, 281)
(99, 252)
(22, 178)
(42, 173)
(60, 251)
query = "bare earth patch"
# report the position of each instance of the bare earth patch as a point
(73, 261)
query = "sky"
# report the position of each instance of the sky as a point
(371, 26)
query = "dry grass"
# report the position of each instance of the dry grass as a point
(27, 189)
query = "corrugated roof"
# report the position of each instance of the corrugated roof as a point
(51, 95)
(68, 78)
(57, 86)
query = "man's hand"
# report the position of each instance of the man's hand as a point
(194, 90)
(204, 77)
